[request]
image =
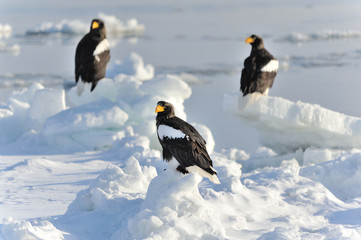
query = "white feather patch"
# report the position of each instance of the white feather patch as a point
(272, 66)
(102, 47)
(200, 171)
(169, 132)
(265, 93)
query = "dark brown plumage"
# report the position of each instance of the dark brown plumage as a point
(92, 56)
(181, 141)
(260, 68)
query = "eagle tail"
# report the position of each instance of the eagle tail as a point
(211, 176)
(80, 86)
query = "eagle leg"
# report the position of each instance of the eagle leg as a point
(182, 169)
(93, 85)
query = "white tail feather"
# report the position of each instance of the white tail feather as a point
(247, 100)
(80, 86)
(200, 171)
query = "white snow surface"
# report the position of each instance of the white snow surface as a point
(113, 26)
(132, 65)
(286, 126)
(101, 149)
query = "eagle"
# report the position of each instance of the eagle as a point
(92, 56)
(182, 141)
(260, 68)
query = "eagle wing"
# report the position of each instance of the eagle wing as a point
(248, 73)
(253, 78)
(84, 56)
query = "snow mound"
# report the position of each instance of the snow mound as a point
(137, 199)
(94, 125)
(63, 121)
(133, 65)
(326, 34)
(175, 209)
(26, 230)
(206, 133)
(341, 175)
(27, 110)
(76, 27)
(116, 195)
(286, 126)
(130, 182)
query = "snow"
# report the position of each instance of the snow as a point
(262, 195)
(286, 126)
(113, 26)
(90, 167)
(133, 65)
(343, 183)
(24, 230)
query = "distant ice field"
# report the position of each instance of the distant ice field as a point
(91, 167)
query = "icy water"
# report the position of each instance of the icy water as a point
(317, 43)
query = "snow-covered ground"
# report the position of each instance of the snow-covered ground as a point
(90, 167)
(102, 145)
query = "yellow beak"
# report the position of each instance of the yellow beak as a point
(249, 40)
(95, 25)
(159, 109)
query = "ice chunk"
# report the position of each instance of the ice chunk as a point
(45, 103)
(286, 126)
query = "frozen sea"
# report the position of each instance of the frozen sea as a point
(56, 173)
(318, 45)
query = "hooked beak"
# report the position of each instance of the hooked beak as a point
(249, 40)
(159, 109)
